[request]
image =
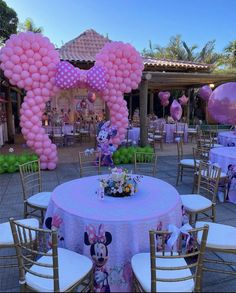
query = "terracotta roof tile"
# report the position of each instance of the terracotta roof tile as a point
(85, 47)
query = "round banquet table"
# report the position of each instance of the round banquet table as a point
(227, 138)
(224, 157)
(170, 129)
(113, 228)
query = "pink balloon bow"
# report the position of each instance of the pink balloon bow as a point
(93, 238)
(68, 76)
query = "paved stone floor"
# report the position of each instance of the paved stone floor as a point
(11, 205)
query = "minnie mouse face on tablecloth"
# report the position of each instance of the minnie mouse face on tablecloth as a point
(54, 223)
(99, 241)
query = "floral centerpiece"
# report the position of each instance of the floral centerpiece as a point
(119, 183)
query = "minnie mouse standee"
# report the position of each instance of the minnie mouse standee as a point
(105, 146)
(99, 253)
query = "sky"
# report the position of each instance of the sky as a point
(133, 21)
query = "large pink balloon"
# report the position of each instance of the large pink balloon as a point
(175, 110)
(222, 103)
(205, 92)
(91, 97)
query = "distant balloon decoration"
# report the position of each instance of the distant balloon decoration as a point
(176, 110)
(91, 97)
(222, 103)
(205, 92)
(183, 100)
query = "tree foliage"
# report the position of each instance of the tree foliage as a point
(8, 21)
(29, 26)
(177, 49)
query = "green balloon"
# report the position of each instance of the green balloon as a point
(116, 161)
(23, 159)
(33, 157)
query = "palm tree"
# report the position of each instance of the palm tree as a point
(230, 54)
(29, 25)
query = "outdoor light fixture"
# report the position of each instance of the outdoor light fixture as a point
(148, 76)
(211, 85)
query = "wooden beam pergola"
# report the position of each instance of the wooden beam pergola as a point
(154, 80)
(175, 80)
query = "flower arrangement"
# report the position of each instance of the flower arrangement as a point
(120, 183)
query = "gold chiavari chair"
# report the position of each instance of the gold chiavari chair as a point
(179, 130)
(6, 242)
(34, 198)
(58, 136)
(170, 269)
(221, 239)
(89, 163)
(145, 163)
(204, 201)
(48, 270)
(182, 162)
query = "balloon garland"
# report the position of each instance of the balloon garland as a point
(31, 62)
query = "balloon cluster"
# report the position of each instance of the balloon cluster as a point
(205, 92)
(164, 97)
(183, 100)
(123, 65)
(9, 163)
(176, 110)
(222, 103)
(29, 60)
(125, 155)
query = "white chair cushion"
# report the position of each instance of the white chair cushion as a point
(195, 202)
(58, 135)
(219, 235)
(6, 237)
(40, 199)
(72, 268)
(192, 130)
(187, 162)
(216, 145)
(142, 269)
(157, 136)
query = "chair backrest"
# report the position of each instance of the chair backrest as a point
(57, 130)
(208, 180)
(30, 175)
(192, 251)
(89, 163)
(145, 163)
(180, 151)
(180, 126)
(32, 244)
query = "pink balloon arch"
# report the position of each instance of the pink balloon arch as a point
(31, 62)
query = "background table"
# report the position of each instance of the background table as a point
(227, 138)
(76, 210)
(170, 129)
(134, 134)
(223, 157)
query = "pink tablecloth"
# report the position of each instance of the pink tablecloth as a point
(114, 228)
(227, 138)
(134, 135)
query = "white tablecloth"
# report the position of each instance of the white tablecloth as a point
(223, 157)
(134, 134)
(227, 138)
(117, 226)
(170, 129)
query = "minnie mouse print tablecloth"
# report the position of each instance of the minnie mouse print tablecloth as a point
(112, 230)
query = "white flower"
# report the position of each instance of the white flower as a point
(11, 150)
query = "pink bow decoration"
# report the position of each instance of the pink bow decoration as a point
(93, 237)
(56, 221)
(68, 76)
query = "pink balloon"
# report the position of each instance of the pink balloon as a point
(91, 97)
(205, 92)
(175, 110)
(222, 103)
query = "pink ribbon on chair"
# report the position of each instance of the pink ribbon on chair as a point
(93, 237)
(68, 76)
